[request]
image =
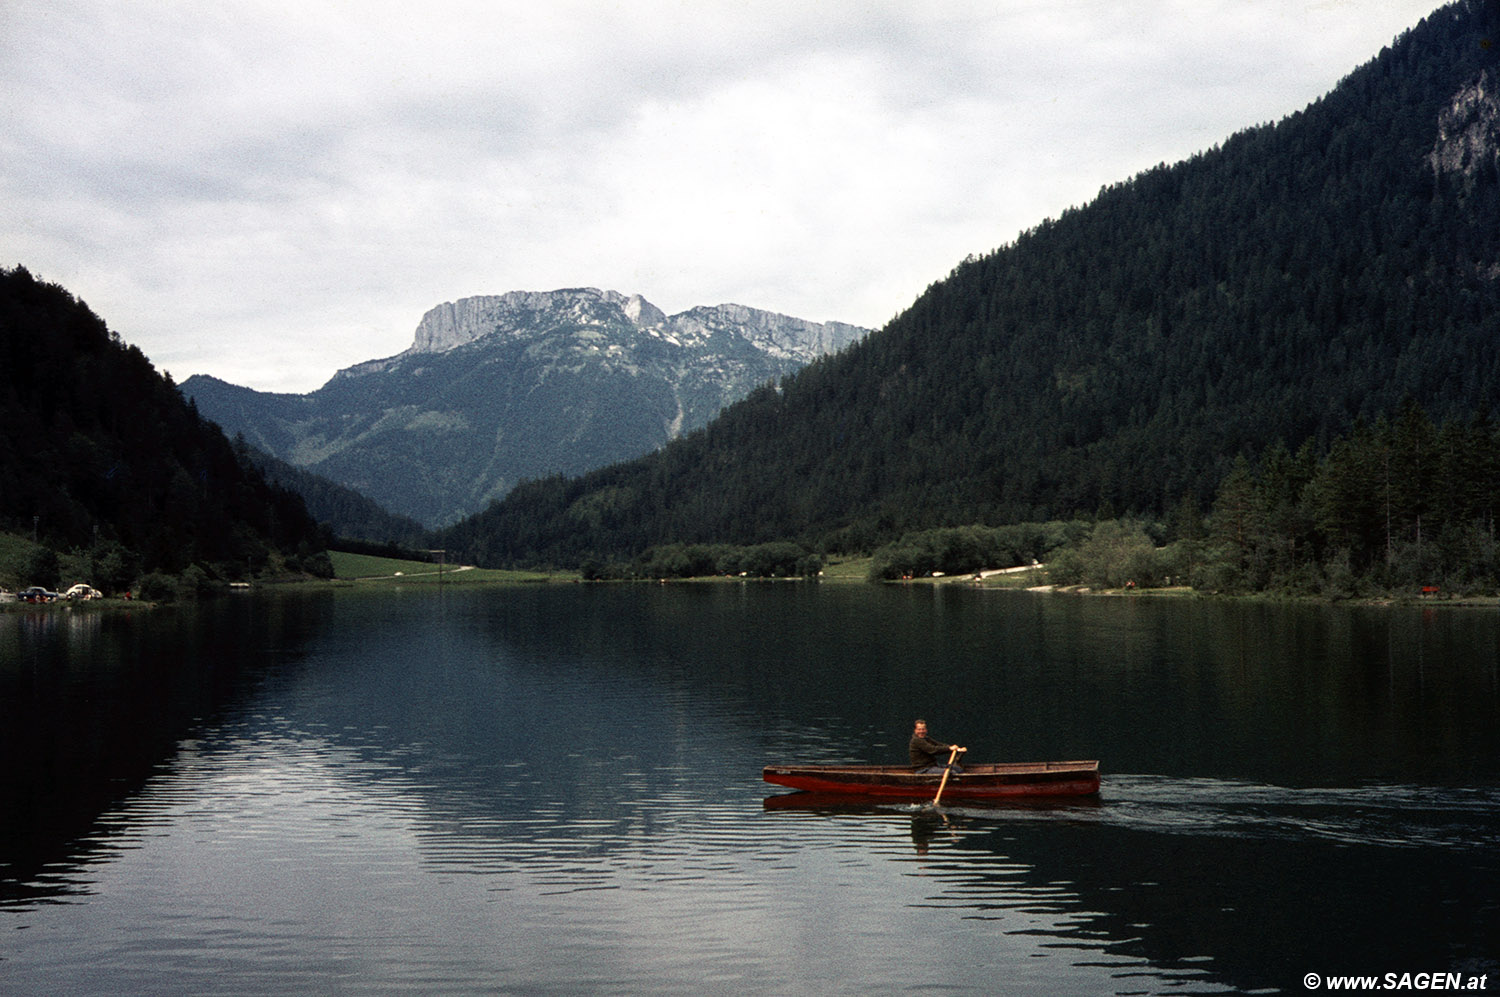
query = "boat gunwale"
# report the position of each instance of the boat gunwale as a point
(983, 780)
(907, 773)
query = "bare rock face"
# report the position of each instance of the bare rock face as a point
(456, 323)
(643, 313)
(779, 335)
(1468, 133)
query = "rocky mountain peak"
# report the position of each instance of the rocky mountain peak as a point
(455, 323)
(519, 313)
(778, 335)
(643, 313)
(496, 389)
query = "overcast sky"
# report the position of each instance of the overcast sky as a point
(268, 192)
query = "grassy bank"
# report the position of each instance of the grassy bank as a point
(366, 569)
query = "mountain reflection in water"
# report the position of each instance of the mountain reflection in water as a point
(556, 790)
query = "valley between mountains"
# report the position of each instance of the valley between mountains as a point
(498, 389)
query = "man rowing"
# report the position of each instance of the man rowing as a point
(929, 756)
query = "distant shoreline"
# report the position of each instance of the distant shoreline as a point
(850, 572)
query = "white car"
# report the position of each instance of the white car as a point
(82, 591)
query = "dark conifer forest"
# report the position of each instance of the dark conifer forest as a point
(347, 514)
(100, 455)
(1299, 289)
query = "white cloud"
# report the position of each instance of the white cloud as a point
(270, 191)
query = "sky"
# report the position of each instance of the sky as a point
(268, 192)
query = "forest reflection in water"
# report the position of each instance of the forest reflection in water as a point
(556, 790)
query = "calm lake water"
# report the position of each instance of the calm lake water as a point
(556, 790)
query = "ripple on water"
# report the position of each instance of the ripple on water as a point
(1387, 816)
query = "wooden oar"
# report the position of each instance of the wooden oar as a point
(946, 772)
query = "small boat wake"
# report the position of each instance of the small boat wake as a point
(1401, 816)
(1392, 816)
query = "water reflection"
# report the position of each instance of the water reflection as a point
(93, 703)
(1225, 885)
(557, 790)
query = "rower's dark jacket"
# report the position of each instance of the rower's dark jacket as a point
(925, 751)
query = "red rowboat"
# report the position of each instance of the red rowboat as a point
(995, 780)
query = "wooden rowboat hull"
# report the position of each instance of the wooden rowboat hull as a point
(998, 780)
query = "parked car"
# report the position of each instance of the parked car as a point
(37, 594)
(82, 591)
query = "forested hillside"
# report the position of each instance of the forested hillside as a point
(344, 512)
(1275, 289)
(100, 455)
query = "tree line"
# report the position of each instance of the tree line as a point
(101, 458)
(1400, 506)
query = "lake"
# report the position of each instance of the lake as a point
(556, 790)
